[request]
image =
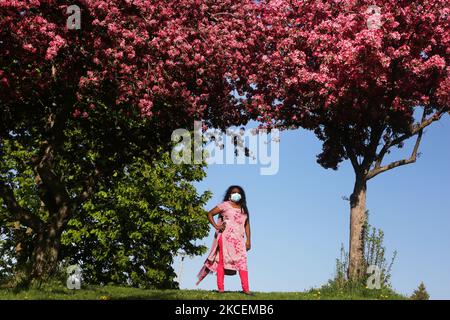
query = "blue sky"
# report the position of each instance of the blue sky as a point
(299, 219)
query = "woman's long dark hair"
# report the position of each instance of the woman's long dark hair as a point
(242, 202)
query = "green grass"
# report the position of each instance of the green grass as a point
(59, 292)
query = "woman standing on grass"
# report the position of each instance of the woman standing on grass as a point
(228, 254)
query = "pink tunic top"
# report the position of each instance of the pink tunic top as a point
(233, 242)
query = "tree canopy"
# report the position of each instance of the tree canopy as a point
(86, 102)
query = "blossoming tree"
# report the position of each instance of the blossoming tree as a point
(94, 83)
(357, 73)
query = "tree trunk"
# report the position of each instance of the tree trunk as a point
(48, 243)
(358, 218)
(45, 254)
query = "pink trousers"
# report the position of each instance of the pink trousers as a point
(243, 274)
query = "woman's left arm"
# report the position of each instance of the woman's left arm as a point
(248, 244)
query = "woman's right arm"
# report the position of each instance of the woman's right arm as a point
(211, 215)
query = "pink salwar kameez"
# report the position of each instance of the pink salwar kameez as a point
(228, 254)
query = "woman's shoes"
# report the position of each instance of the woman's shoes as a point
(244, 292)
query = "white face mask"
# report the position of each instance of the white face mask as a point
(235, 197)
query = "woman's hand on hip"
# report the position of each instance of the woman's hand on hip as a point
(248, 245)
(221, 227)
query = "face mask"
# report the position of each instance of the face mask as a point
(235, 197)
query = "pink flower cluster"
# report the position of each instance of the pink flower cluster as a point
(287, 63)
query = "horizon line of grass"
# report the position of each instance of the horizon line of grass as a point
(115, 292)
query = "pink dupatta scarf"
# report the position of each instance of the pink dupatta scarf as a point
(212, 261)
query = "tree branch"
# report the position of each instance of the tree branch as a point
(375, 136)
(351, 154)
(377, 170)
(89, 189)
(414, 130)
(19, 213)
(49, 178)
(353, 158)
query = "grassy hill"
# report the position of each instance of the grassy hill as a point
(60, 292)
